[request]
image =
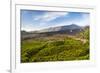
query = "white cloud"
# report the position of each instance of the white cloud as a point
(85, 20)
(26, 27)
(31, 27)
(49, 16)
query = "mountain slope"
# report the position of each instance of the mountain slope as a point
(61, 28)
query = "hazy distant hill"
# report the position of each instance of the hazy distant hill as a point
(61, 28)
(68, 29)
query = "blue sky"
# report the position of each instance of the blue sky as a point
(32, 20)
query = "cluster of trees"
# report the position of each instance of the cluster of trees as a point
(85, 34)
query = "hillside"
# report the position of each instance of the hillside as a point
(61, 28)
(72, 29)
(55, 46)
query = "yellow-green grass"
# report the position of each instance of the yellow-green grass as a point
(43, 50)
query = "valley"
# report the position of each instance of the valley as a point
(65, 43)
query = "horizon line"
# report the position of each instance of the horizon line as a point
(52, 27)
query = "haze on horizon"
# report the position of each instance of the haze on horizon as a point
(33, 20)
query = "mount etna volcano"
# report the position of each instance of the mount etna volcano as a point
(61, 43)
(54, 35)
(72, 29)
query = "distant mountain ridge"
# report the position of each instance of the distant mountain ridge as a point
(72, 29)
(60, 28)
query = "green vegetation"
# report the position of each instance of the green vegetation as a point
(56, 48)
(85, 34)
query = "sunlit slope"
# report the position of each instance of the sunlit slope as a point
(56, 48)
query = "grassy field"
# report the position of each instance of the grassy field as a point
(56, 48)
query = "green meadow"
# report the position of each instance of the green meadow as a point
(56, 48)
